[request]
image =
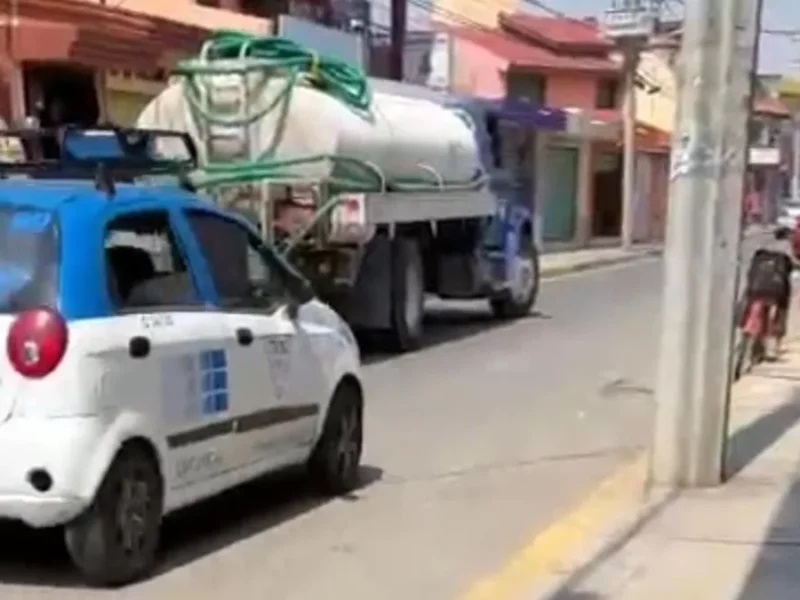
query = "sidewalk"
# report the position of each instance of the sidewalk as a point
(553, 264)
(740, 541)
(557, 261)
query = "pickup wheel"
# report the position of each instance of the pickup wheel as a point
(518, 300)
(408, 295)
(115, 541)
(335, 462)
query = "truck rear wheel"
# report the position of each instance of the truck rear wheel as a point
(408, 295)
(519, 298)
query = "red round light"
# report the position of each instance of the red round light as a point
(36, 342)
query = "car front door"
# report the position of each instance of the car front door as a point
(273, 368)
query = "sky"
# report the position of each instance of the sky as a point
(779, 54)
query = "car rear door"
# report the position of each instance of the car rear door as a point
(29, 256)
(165, 352)
(273, 367)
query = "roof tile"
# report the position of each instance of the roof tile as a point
(523, 54)
(563, 32)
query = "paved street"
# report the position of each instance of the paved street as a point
(473, 445)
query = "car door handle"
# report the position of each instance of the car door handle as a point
(139, 347)
(244, 336)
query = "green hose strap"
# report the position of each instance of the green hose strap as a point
(298, 65)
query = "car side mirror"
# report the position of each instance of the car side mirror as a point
(301, 293)
(304, 292)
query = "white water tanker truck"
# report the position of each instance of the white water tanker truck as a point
(378, 198)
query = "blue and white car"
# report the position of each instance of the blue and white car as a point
(157, 353)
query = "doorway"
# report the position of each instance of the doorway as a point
(607, 180)
(61, 95)
(561, 194)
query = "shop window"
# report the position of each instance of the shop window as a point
(527, 86)
(607, 94)
(62, 96)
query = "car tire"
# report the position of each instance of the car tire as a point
(335, 463)
(407, 295)
(115, 541)
(517, 303)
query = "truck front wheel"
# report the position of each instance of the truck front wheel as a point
(519, 298)
(408, 294)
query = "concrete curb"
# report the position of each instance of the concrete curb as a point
(607, 545)
(599, 263)
(617, 260)
(621, 552)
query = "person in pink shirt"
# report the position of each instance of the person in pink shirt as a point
(752, 207)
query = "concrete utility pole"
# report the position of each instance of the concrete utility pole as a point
(719, 58)
(399, 10)
(796, 157)
(631, 23)
(631, 58)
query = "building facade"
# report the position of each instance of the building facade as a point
(570, 65)
(83, 61)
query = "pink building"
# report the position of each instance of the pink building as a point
(568, 64)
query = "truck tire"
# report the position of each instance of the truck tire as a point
(408, 295)
(115, 541)
(518, 300)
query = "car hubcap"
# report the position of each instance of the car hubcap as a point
(523, 279)
(348, 447)
(132, 514)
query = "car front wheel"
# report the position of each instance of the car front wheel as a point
(335, 463)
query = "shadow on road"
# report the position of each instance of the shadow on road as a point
(38, 558)
(444, 325)
(748, 443)
(775, 574)
(569, 589)
(779, 555)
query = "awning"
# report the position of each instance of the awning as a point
(95, 35)
(522, 112)
(513, 109)
(652, 139)
(593, 125)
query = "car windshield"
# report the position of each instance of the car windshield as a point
(28, 258)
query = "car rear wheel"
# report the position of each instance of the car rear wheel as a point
(115, 541)
(335, 463)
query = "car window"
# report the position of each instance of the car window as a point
(242, 270)
(29, 257)
(146, 267)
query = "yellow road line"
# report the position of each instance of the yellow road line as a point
(551, 549)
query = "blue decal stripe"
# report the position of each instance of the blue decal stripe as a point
(213, 381)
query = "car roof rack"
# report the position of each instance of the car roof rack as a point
(107, 154)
